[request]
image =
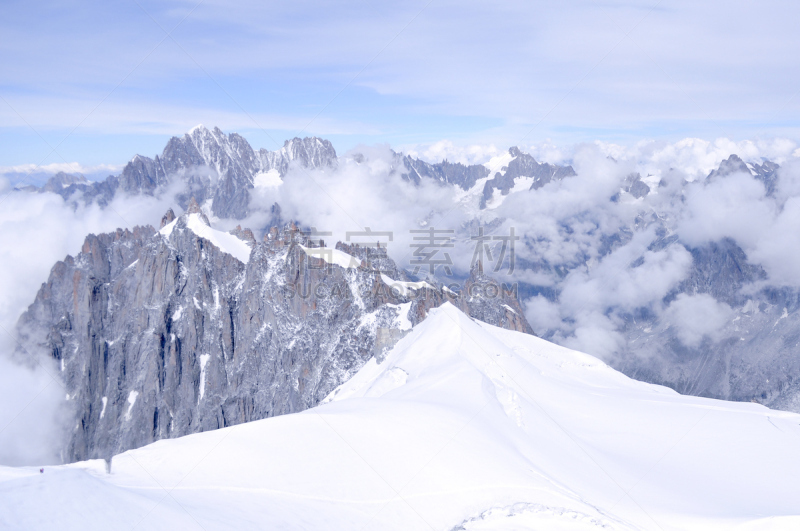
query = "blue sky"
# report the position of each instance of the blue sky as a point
(96, 82)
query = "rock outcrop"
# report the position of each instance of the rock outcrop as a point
(210, 165)
(186, 329)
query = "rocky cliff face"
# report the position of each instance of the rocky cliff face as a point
(215, 168)
(185, 329)
(445, 172)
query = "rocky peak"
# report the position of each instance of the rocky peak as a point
(193, 207)
(445, 172)
(61, 180)
(635, 186)
(168, 218)
(244, 235)
(212, 165)
(476, 271)
(729, 166)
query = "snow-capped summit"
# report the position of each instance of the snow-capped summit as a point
(195, 220)
(212, 166)
(462, 426)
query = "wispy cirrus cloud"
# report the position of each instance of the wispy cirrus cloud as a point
(411, 73)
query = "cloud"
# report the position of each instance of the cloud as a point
(66, 167)
(695, 317)
(733, 206)
(447, 150)
(542, 314)
(24, 174)
(358, 195)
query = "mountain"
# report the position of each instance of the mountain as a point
(213, 167)
(515, 171)
(61, 180)
(461, 426)
(521, 171)
(163, 333)
(444, 172)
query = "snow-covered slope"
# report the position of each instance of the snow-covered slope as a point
(462, 426)
(227, 243)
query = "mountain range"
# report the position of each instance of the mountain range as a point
(130, 318)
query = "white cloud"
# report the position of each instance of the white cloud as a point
(542, 314)
(66, 167)
(697, 316)
(733, 206)
(447, 150)
(514, 69)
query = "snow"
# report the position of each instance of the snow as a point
(203, 361)
(227, 243)
(783, 316)
(462, 426)
(269, 179)
(402, 322)
(167, 229)
(105, 403)
(472, 193)
(178, 313)
(131, 401)
(402, 286)
(332, 256)
(496, 164)
(521, 184)
(509, 308)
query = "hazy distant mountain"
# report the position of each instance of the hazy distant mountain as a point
(215, 167)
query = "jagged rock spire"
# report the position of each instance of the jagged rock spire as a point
(193, 207)
(477, 269)
(168, 218)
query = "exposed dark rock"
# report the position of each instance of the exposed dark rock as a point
(162, 334)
